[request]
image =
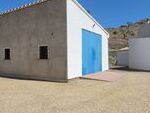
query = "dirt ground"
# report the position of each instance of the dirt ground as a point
(130, 94)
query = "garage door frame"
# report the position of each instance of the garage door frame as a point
(91, 52)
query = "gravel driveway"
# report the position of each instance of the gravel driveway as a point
(130, 94)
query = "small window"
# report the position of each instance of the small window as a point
(43, 52)
(7, 54)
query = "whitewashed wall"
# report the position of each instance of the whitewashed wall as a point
(77, 18)
(139, 53)
(122, 58)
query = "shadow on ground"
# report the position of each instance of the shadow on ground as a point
(123, 68)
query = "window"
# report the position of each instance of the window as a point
(7, 54)
(43, 52)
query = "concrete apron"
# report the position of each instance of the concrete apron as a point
(107, 76)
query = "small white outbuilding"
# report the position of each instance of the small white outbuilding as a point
(137, 57)
(122, 57)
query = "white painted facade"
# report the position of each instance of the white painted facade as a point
(139, 53)
(78, 19)
(122, 58)
(137, 57)
(60, 24)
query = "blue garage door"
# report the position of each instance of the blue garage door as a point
(91, 52)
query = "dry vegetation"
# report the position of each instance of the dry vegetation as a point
(119, 36)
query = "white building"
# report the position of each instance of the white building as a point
(137, 57)
(52, 40)
(122, 57)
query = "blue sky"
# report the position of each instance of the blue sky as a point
(110, 13)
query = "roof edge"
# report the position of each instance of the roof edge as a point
(22, 7)
(41, 1)
(90, 16)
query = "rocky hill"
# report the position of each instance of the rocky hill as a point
(119, 36)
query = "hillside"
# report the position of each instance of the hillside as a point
(119, 36)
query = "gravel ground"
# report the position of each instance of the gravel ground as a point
(130, 94)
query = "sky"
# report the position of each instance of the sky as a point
(109, 13)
